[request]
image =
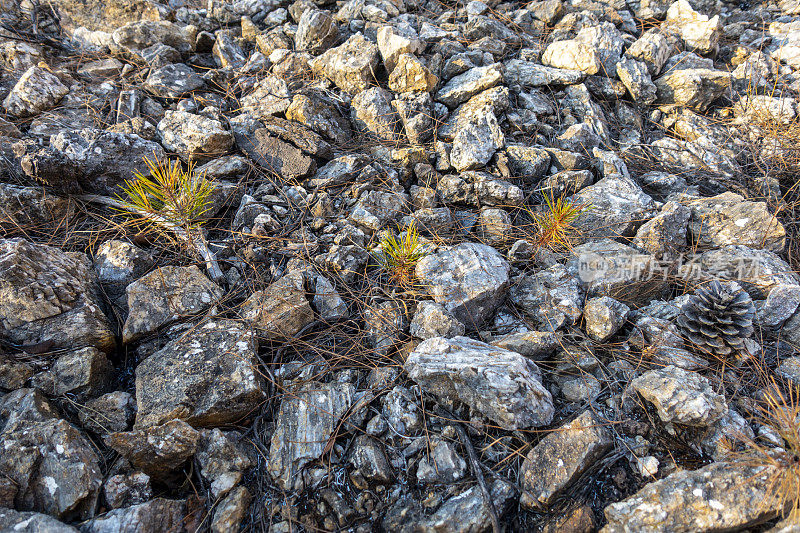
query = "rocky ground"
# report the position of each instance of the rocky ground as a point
(284, 381)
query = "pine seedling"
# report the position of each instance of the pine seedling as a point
(177, 196)
(555, 227)
(399, 257)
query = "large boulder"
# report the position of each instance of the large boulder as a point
(502, 385)
(208, 377)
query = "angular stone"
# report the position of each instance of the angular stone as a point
(502, 385)
(561, 457)
(84, 373)
(718, 497)
(780, 305)
(552, 297)
(410, 74)
(194, 137)
(33, 206)
(664, 234)
(729, 219)
(98, 160)
(321, 117)
(222, 463)
(316, 31)
(375, 209)
(53, 466)
(50, 299)
(173, 81)
(613, 207)
(680, 396)
(108, 413)
(231, 512)
(159, 514)
(468, 279)
(208, 377)
(393, 42)
(694, 88)
(124, 490)
(37, 90)
(156, 450)
(306, 420)
(696, 30)
(165, 295)
(269, 97)
(608, 268)
(280, 310)
(11, 520)
(604, 316)
(350, 65)
(299, 135)
(652, 49)
(637, 80)
(415, 109)
(279, 158)
(464, 86)
(368, 458)
(373, 114)
(441, 465)
(526, 74)
(433, 320)
(528, 162)
(476, 142)
(572, 55)
(136, 36)
(537, 345)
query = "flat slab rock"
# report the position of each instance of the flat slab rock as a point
(681, 396)
(722, 496)
(561, 457)
(502, 385)
(468, 279)
(208, 377)
(306, 420)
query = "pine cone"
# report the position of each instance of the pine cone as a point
(718, 318)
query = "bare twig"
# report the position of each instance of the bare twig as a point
(476, 469)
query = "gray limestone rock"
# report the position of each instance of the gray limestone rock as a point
(165, 295)
(208, 377)
(306, 420)
(468, 279)
(50, 298)
(500, 384)
(561, 457)
(681, 396)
